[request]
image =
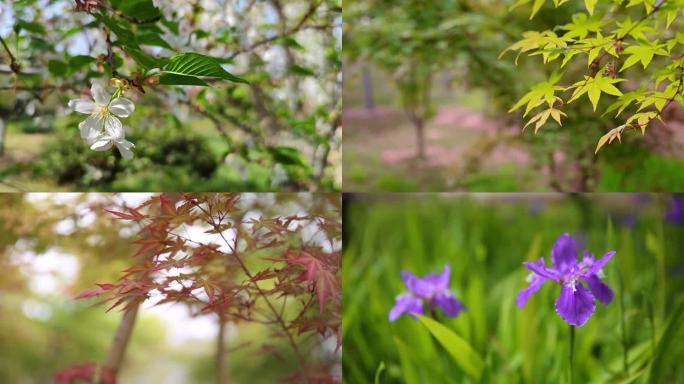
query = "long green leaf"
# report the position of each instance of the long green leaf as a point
(463, 354)
(194, 64)
(666, 354)
(381, 368)
(409, 371)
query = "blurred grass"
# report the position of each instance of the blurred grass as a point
(485, 239)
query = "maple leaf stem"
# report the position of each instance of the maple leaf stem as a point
(655, 9)
(263, 294)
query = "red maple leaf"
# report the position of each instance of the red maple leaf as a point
(85, 372)
(326, 281)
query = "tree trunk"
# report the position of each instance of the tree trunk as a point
(368, 100)
(418, 123)
(221, 366)
(117, 351)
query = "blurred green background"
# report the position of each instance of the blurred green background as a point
(485, 238)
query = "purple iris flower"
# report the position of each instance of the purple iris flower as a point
(433, 290)
(675, 214)
(576, 303)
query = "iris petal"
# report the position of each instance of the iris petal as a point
(406, 303)
(448, 303)
(524, 295)
(600, 289)
(122, 107)
(540, 268)
(575, 306)
(600, 263)
(438, 281)
(418, 286)
(564, 252)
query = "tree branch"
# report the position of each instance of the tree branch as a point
(14, 65)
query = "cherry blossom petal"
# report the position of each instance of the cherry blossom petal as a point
(90, 126)
(600, 289)
(82, 106)
(114, 128)
(564, 253)
(99, 95)
(124, 148)
(406, 303)
(535, 285)
(575, 306)
(103, 144)
(122, 107)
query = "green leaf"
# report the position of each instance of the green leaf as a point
(76, 63)
(541, 118)
(289, 42)
(593, 86)
(668, 352)
(536, 6)
(153, 39)
(125, 36)
(300, 71)
(143, 59)
(57, 67)
(288, 156)
(141, 10)
(174, 79)
(410, 376)
(626, 100)
(642, 53)
(381, 368)
(194, 64)
(539, 93)
(582, 25)
(459, 349)
(590, 4)
(29, 26)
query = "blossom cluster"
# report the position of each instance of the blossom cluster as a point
(102, 129)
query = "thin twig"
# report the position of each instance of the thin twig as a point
(14, 65)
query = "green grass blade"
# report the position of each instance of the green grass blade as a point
(380, 369)
(462, 353)
(667, 354)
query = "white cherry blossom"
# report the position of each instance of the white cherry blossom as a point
(102, 129)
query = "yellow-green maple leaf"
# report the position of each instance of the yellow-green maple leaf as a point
(590, 4)
(643, 53)
(544, 91)
(593, 86)
(541, 118)
(610, 136)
